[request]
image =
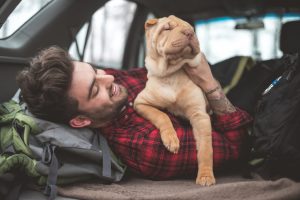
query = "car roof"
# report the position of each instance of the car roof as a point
(214, 8)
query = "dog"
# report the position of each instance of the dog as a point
(171, 43)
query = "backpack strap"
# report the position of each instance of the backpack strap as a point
(245, 62)
(49, 157)
(106, 158)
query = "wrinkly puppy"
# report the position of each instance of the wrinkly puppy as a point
(172, 44)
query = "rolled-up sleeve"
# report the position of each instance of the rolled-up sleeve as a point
(231, 121)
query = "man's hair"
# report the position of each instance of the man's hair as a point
(45, 85)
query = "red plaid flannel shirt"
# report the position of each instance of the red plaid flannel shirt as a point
(137, 142)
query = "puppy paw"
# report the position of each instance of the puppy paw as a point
(170, 140)
(205, 180)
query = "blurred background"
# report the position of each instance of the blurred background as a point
(102, 40)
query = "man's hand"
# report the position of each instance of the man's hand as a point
(202, 76)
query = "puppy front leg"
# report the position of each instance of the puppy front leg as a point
(162, 122)
(202, 132)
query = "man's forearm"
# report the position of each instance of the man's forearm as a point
(203, 77)
(218, 101)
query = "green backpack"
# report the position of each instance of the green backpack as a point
(51, 154)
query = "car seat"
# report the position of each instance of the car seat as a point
(290, 37)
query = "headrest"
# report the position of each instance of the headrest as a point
(290, 37)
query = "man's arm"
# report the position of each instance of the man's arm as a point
(203, 77)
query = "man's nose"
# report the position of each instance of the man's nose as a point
(105, 78)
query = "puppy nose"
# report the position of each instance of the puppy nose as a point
(188, 32)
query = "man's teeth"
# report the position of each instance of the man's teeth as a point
(114, 89)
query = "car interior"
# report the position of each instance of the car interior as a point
(110, 34)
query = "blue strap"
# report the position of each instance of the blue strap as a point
(50, 157)
(106, 158)
(51, 191)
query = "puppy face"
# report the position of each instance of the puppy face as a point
(171, 39)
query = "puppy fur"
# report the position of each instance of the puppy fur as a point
(172, 44)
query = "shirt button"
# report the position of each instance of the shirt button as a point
(130, 103)
(126, 116)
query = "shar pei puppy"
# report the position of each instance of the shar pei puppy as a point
(172, 44)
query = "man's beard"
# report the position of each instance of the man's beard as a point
(102, 116)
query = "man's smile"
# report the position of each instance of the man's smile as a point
(115, 90)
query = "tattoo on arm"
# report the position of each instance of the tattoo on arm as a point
(219, 102)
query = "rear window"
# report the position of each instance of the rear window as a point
(222, 38)
(21, 14)
(103, 43)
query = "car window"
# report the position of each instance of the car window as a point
(103, 42)
(21, 14)
(222, 38)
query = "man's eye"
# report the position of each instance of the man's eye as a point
(95, 91)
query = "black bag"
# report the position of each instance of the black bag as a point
(276, 127)
(254, 81)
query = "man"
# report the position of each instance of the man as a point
(59, 89)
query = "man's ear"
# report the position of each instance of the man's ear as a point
(80, 122)
(150, 22)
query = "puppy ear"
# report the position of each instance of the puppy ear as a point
(150, 22)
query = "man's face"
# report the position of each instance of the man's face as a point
(99, 98)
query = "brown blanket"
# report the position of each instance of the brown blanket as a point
(232, 187)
